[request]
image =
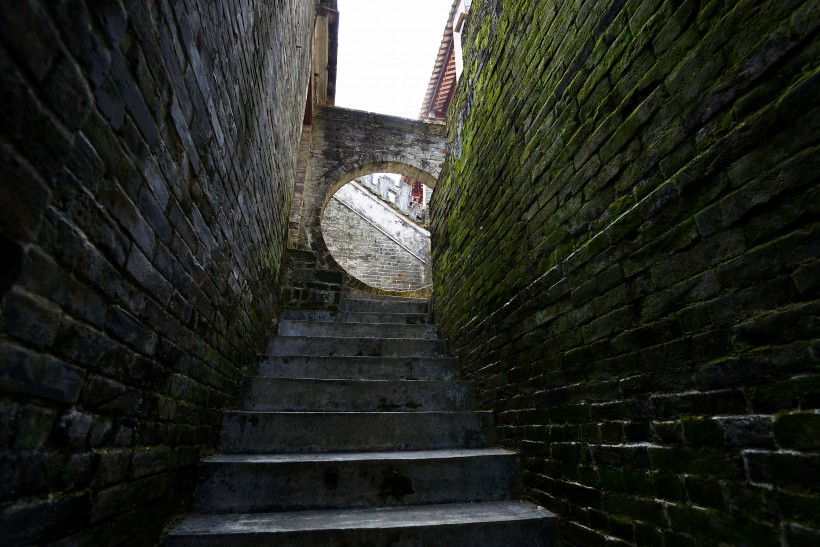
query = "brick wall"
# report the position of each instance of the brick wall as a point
(625, 250)
(148, 152)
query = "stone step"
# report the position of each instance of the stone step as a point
(373, 347)
(311, 299)
(332, 277)
(290, 327)
(315, 395)
(383, 305)
(358, 317)
(488, 524)
(353, 294)
(246, 432)
(303, 257)
(287, 482)
(364, 368)
(311, 287)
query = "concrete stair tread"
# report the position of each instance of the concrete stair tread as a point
(382, 517)
(282, 345)
(339, 329)
(358, 367)
(394, 339)
(276, 482)
(246, 432)
(393, 318)
(354, 381)
(381, 306)
(330, 457)
(383, 297)
(367, 413)
(345, 324)
(322, 394)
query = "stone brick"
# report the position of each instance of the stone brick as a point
(797, 430)
(701, 522)
(747, 430)
(121, 206)
(702, 432)
(27, 373)
(125, 328)
(73, 428)
(785, 468)
(34, 426)
(646, 510)
(30, 319)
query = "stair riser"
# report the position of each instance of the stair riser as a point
(374, 347)
(363, 368)
(352, 330)
(316, 276)
(353, 396)
(255, 433)
(310, 299)
(255, 487)
(382, 306)
(358, 317)
(529, 533)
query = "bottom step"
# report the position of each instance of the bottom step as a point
(451, 525)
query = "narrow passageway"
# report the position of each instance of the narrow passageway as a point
(356, 430)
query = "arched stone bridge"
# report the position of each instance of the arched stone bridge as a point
(342, 145)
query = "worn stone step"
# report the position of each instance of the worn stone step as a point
(488, 524)
(383, 305)
(358, 317)
(358, 295)
(303, 257)
(290, 327)
(245, 432)
(332, 277)
(286, 482)
(305, 298)
(374, 347)
(364, 368)
(315, 395)
(311, 287)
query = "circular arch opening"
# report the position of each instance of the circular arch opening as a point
(374, 226)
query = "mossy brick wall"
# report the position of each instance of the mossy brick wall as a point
(148, 152)
(625, 253)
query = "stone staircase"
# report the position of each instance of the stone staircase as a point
(355, 431)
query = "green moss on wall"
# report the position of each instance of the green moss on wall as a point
(622, 234)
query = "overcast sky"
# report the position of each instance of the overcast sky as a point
(387, 49)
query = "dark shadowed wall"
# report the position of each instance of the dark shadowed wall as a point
(625, 250)
(147, 152)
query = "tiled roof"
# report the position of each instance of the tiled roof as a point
(443, 79)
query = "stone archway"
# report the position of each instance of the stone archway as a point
(346, 144)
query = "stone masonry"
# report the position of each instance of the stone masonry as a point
(346, 144)
(147, 153)
(625, 249)
(640, 306)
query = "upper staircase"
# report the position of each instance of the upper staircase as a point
(355, 430)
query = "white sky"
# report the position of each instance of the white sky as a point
(387, 49)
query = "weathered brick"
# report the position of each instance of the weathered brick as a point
(797, 430)
(28, 373)
(788, 469)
